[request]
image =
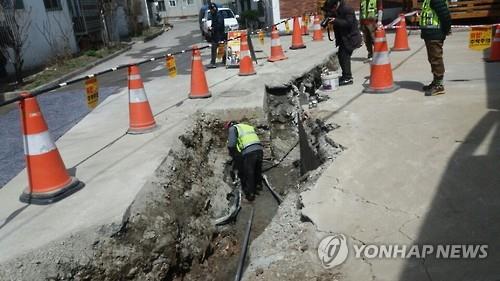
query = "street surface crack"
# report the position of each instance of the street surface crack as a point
(366, 201)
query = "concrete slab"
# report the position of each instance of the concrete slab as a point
(115, 166)
(417, 170)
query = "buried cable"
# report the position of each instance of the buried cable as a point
(274, 193)
(244, 248)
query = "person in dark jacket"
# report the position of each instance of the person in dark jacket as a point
(347, 35)
(217, 31)
(435, 25)
(246, 151)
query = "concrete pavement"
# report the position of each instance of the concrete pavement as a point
(61, 120)
(417, 170)
(115, 166)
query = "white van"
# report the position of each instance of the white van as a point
(230, 20)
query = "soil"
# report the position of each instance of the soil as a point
(168, 232)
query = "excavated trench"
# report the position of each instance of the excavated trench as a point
(169, 231)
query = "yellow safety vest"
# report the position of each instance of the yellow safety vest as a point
(429, 18)
(246, 136)
(368, 9)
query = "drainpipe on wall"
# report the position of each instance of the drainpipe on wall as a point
(147, 13)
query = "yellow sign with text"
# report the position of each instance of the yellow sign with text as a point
(261, 37)
(171, 66)
(480, 38)
(287, 26)
(92, 90)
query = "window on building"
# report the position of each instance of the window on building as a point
(7, 4)
(51, 5)
(172, 3)
(161, 6)
(190, 2)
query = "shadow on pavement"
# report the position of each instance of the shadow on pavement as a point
(13, 215)
(411, 85)
(466, 206)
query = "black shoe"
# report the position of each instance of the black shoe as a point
(211, 65)
(428, 87)
(345, 81)
(250, 197)
(435, 90)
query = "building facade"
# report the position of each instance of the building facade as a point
(49, 31)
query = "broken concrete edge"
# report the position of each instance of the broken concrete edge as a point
(66, 77)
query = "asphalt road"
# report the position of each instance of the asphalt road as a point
(64, 108)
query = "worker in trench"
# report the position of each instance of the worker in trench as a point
(246, 151)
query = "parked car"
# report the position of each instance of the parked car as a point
(230, 20)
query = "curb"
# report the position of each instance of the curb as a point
(11, 95)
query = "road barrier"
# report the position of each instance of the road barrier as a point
(401, 38)
(297, 42)
(48, 178)
(141, 118)
(380, 69)
(246, 63)
(49, 181)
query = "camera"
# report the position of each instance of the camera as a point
(327, 9)
(324, 22)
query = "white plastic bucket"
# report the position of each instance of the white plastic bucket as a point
(330, 81)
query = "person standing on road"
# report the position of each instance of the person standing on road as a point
(347, 35)
(435, 25)
(246, 150)
(368, 24)
(217, 32)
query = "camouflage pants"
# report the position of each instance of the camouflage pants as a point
(435, 57)
(368, 29)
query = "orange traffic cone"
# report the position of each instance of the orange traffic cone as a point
(140, 115)
(305, 25)
(495, 47)
(297, 42)
(199, 86)
(401, 39)
(380, 69)
(276, 50)
(48, 179)
(318, 32)
(246, 63)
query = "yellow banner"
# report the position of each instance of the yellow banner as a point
(220, 51)
(171, 66)
(305, 20)
(479, 38)
(261, 37)
(287, 27)
(92, 90)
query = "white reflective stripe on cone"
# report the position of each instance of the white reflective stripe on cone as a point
(381, 58)
(134, 77)
(380, 39)
(196, 58)
(244, 54)
(317, 27)
(275, 42)
(137, 95)
(37, 144)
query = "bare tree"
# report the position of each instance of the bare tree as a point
(107, 9)
(14, 30)
(59, 40)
